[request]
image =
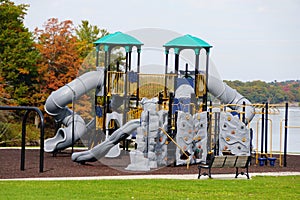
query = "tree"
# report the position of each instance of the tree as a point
(87, 34)
(274, 92)
(17, 56)
(60, 57)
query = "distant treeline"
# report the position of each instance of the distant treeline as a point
(273, 92)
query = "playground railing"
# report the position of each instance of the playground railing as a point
(149, 84)
(116, 82)
(283, 163)
(28, 110)
(201, 85)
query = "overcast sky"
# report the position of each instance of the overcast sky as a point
(251, 39)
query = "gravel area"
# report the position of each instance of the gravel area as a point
(61, 165)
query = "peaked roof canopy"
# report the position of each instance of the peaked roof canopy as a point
(187, 42)
(118, 39)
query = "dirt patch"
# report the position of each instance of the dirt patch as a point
(61, 165)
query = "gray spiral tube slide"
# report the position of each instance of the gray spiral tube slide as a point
(56, 106)
(103, 148)
(228, 95)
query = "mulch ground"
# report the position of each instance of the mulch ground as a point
(61, 165)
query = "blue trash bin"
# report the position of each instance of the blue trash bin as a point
(272, 161)
(262, 161)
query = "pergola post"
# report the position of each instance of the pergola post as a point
(177, 51)
(97, 55)
(197, 53)
(166, 72)
(206, 80)
(129, 63)
(138, 76)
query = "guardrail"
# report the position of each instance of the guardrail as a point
(28, 110)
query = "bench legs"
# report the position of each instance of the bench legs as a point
(204, 174)
(209, 172)
(242, 173)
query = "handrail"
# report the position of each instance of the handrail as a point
(28, 110)
(280, 150)
(292, 126)
(281, 127)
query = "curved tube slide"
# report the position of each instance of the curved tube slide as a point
(103, 148)
(56, 106)
(227, 95)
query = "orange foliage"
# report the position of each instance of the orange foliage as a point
(60, 58)
(60, 61)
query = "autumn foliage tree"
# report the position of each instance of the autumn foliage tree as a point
(60, 60)
(63, 49)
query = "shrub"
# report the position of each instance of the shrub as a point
(11, 134)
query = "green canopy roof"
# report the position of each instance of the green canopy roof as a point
(187, 42)
(119, 39)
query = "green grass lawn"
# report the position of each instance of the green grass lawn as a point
(261, 187)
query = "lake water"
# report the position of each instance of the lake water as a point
(293, 139)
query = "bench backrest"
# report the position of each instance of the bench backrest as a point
(218, 161)
(242, 161)
(229, 161)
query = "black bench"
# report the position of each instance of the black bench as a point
(226, 162)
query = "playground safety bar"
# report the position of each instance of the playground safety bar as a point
(28, 110)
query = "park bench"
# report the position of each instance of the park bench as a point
(229, 161)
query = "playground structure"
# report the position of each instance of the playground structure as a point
(158, 109)
(267, 117)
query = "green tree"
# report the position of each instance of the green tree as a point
(17, 56)
(87, 34)
(274, 92)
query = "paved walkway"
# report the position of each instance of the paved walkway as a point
(173, 176)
